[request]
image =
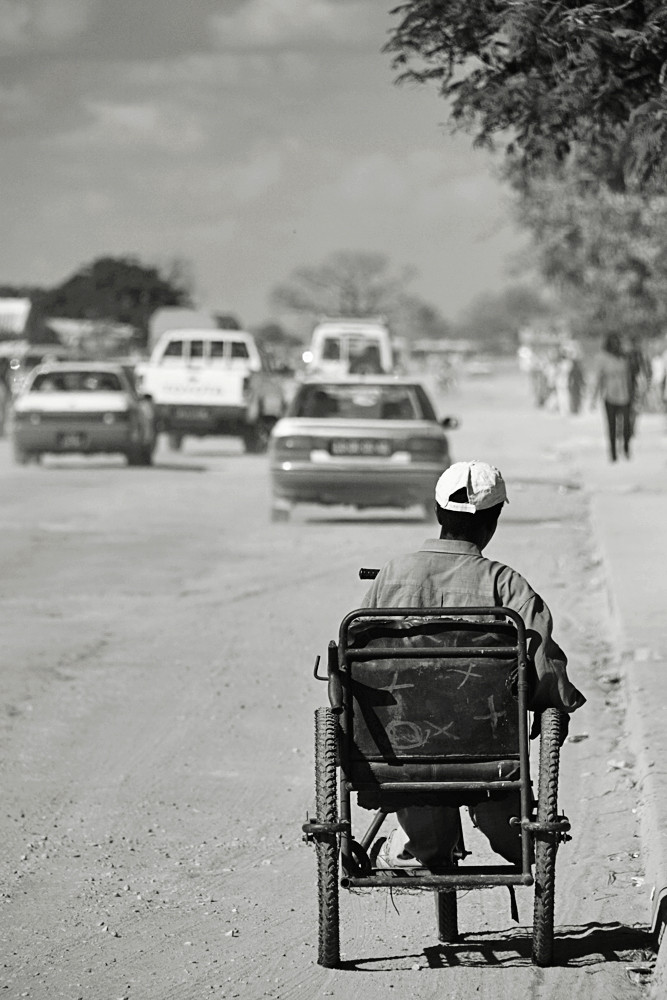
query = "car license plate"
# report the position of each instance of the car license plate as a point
(72, 440)
(361, 447)
(192, 413)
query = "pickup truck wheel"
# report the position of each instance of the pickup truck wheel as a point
(21, 456)
(279, 514)
(256, 437)
(175, 441)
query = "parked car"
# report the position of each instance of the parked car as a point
(82, 407)
(369, 441)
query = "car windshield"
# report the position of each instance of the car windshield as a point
(360, 402)
(81, 381)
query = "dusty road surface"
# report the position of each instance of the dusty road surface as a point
(158, 636)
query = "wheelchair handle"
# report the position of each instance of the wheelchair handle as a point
(365, 573)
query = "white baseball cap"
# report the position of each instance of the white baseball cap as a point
(483, 484)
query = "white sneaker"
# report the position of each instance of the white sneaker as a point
(392, 854)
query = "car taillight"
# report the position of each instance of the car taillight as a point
(427, 449)
(295, 446)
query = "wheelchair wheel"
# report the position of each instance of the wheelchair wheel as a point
(446, 912)
(546, 844)
(326, 727)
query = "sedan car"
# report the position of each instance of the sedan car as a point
(369, 441)
(82, 407)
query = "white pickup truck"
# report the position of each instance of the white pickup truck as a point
(207, 382)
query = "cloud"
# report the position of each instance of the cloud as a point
(118, 125)
(38, 24)
(249, 70)
(296, 23)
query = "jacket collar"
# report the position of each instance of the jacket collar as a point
(452, 545)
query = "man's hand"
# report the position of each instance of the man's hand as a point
(536, 727)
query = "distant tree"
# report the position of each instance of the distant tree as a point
(554, 79)
(120, 289)
(495, 319)
(348, 283)
(226, 321)
(274, 333)
(414, 319)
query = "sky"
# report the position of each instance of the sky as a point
(246, 137)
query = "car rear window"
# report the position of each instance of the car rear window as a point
(88, 381)
(359, 402)
(331, 349)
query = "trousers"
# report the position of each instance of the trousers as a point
(432, 831)
(619, 427)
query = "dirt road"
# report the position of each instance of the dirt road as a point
(158, 636)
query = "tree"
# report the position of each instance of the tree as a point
(413, 319)
(604, 250)
(348, 283)
(119, 289)
(495, 319)
(556, 79)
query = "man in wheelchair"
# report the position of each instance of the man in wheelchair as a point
(451, 571)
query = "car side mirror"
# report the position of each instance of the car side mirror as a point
(450, 423)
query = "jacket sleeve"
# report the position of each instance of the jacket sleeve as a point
(553, 688)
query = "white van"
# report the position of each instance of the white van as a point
(350, 347)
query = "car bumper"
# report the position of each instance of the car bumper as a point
(360, 487)
(80, 438)
(200, 419)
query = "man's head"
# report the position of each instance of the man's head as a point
(469, 497)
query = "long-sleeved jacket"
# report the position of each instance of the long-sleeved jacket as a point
(454, 573)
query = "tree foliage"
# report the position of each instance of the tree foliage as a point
(556, 79)
(413, 319)
(357, 284)
(606, 252)
(120, 289)
(495, 318)
(347, 283)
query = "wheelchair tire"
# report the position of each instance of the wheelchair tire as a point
(446, 912)
(326, 742)
(546, 845)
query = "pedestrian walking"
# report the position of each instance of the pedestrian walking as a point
(614, 387)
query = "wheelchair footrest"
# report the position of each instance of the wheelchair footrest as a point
(312, 828)
(558, 828)
(424, 878)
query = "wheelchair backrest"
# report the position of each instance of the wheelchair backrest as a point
(430, 689)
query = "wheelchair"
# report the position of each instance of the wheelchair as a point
(426, 707)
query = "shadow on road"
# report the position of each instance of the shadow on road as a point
(112, 466)
(368, 519)
(574, 946)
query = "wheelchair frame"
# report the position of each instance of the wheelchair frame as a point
(341, 859)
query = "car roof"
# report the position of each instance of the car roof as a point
(63, 367)
(360, 380)
(193, 333)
